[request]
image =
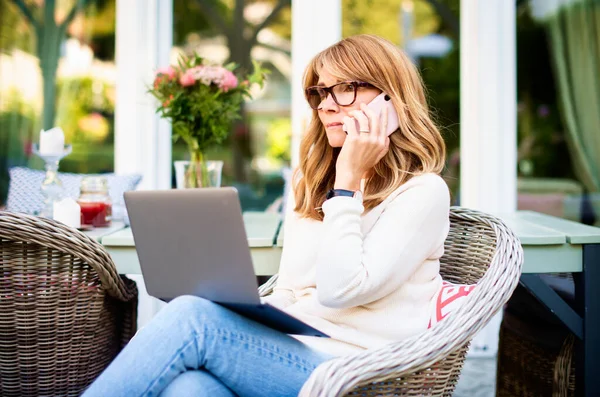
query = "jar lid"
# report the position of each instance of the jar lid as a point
(94, 184)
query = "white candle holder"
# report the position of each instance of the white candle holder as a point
(52, 188)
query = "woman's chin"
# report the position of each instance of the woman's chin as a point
(336, 139)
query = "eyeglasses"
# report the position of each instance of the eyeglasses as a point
(344, 93)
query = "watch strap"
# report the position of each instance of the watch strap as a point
(339, 192)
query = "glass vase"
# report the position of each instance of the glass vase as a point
(198, 173)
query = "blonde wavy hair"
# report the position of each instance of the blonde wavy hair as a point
(417, 146)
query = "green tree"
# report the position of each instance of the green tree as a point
(226, 18)
(382, 17)
(49, 34)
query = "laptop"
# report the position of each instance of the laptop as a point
(193, 242)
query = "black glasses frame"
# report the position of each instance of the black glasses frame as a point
(329, 90)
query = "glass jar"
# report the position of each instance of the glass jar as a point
(95, 203)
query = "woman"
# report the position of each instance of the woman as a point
(365, 229)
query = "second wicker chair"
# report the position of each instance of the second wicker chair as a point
(65, 313)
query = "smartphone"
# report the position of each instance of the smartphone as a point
(377, 105)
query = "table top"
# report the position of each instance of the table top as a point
(550, 244)
(535, 228)
(98, 233)
(261, 230)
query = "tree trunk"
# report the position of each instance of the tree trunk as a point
(239, 52)
(50, 37)
(241, 139)
(49, 66)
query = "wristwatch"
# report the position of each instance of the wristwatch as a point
(357, 194)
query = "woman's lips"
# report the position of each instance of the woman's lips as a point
(330, 125)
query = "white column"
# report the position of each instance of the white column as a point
(316, 24)
(142, 139)
(143, 43)
(488, 134)
(488, 137)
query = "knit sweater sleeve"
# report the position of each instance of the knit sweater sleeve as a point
(355, 269)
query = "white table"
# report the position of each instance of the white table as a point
(261, 229)
(100, 232)
(551, 245)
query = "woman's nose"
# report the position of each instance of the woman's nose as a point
(328, 104)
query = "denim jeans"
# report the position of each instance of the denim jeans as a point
(194, 347)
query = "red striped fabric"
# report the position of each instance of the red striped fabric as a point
(450, 298)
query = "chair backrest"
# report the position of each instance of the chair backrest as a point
(469, 248)
(64, 311)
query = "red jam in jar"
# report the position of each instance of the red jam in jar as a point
(95, 203)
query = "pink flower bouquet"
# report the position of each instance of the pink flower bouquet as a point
(202, 100)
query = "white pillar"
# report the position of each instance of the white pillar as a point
(488, 137)
(312, 31)
(488, 133)
(143, 43)
(142, 139)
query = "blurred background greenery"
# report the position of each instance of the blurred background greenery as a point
(83, 102)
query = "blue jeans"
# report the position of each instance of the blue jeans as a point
(194, 347)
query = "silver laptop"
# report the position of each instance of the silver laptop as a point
(193, 242)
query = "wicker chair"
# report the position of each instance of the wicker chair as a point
(479, 249)
(536, 351)
(65, 313)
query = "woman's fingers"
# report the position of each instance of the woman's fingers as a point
(373, 121)
(363, 121)
(350, 124)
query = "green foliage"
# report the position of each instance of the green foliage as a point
(279, 139)
(202, 100)
(188, 17)
(82, 102)
(442, 80)
(15, 31)
(542, 149)
(17, 125)
(282, 25)
(381, 17)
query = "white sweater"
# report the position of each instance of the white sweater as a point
(365, 279)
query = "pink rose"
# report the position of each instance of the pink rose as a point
(187, 79)
(168, 71)
(229, 81)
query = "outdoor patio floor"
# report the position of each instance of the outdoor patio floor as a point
(478, 378)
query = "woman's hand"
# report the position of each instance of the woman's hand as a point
(362, 149)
